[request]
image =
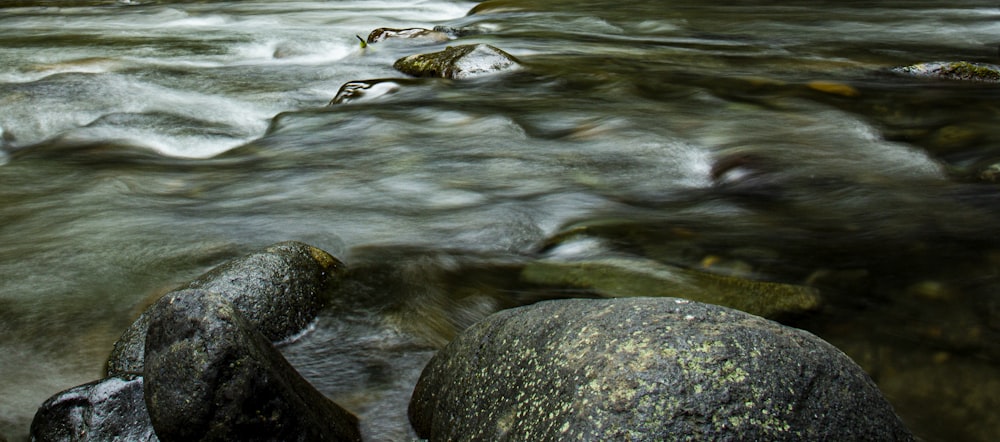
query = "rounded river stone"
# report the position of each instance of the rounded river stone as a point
(210, 376)
(279, 290)
(645, 369)
(111, 409)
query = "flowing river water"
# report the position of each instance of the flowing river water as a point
(146, 141)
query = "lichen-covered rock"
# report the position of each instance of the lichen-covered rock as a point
(645, 369)
(621, 277)
(432, 36)
(953, 70)
(111, 409)
(279, 290)
(211, 376)
(458, 62)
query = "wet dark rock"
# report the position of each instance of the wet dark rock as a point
(458, 62)
(111, 409)
(365, 90)
(210, 375)
(428, 35)
(279, 290)
(645, 369)
(953, 70)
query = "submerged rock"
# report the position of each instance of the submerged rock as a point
(458, 62)
(645, 369)
(953, 70)
(210, 375)
(279, 290)
(382, 34)
(627, 277)
(111, 409)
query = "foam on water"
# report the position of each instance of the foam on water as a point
(67, 90)
(89, 108)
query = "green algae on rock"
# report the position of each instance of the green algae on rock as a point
(458, 62)
(628, 277)
(645, 369)
(953, 70)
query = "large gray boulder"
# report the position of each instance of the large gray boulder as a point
(279, 290)
(645, 369)
(211, 376)
(111, 409)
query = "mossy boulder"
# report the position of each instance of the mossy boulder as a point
(645, 369)
(111, 409)
(953, 70)
(210, 375)
(279, 290)
(628, 277)
(458, 62)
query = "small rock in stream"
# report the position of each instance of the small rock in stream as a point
(953, 70)
(279, 290)
(111, 409)
(420, 34)
(211, 376)
(365, 90)
(458, 62)
(645, 369)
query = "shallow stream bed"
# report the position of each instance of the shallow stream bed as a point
(143, 142)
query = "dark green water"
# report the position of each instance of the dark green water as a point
(144, 142)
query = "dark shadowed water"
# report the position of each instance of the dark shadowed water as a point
(144, 141)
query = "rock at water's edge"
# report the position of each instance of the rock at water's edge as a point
(279, 290)
(645, 369)
(111, 409)
(210, 376)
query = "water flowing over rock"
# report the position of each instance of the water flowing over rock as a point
(645, 369)
(279, 290)
(953, 70)
(211, 376)
(366, 90)
(111, 409)
(419, 34)
(458, 62)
